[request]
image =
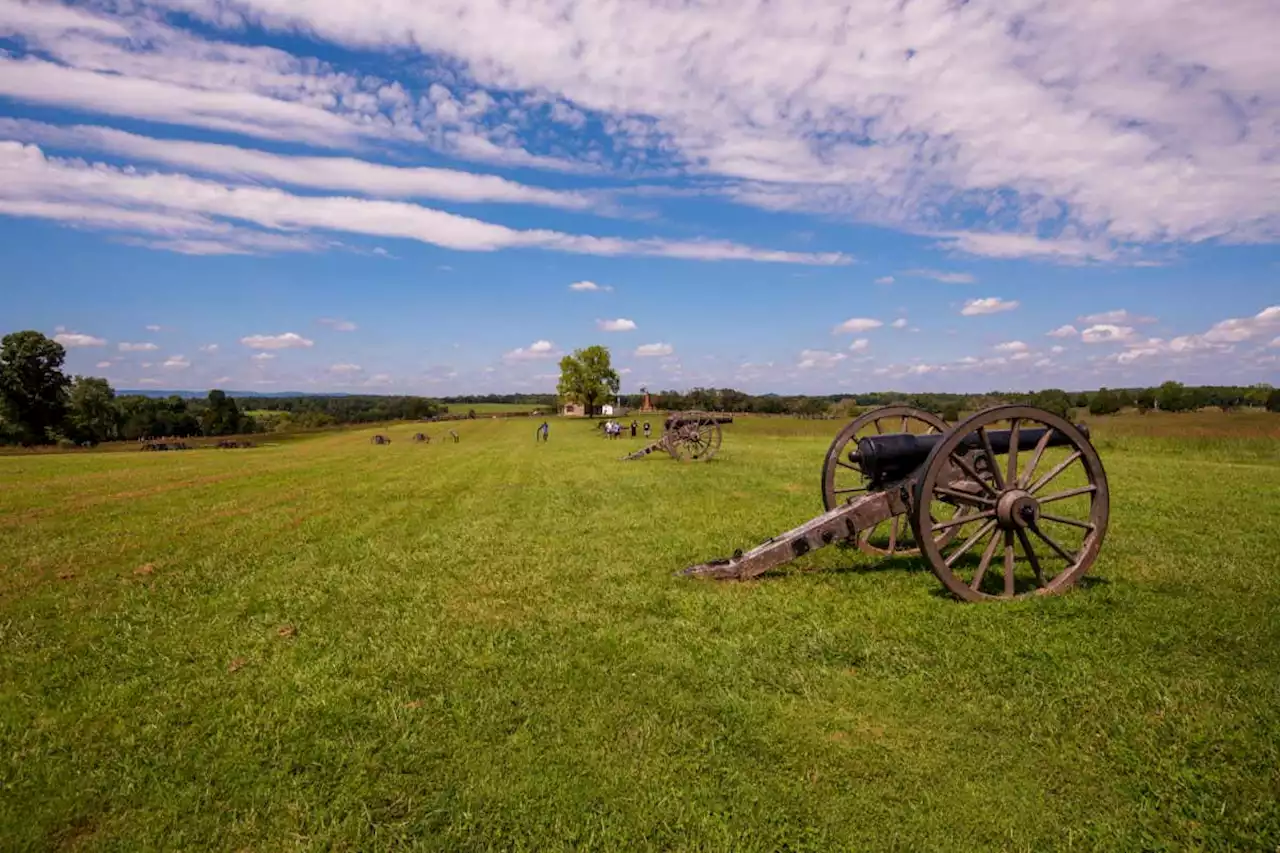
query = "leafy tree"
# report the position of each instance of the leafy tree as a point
(1081, 400)
(1171, 397)
(92, 414)
(1124, 399)
(951, 412)
(811, 407)
(1145, 400)
(33, 388)
(222, 415)
(587, 377)
(1273, 401)
(1104, 403)
(1053, 400)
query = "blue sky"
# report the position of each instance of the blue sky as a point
(445, 197)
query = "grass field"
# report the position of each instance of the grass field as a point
(332, 645)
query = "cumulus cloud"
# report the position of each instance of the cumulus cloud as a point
(650, 350)
(1245, 328)
(1011, 346)
(1105, 333)
(855, 325)
(859, 345)
(987, 305)
(73, 340)
(944, 277)
(337, 325)
(1067, 331)
(819, 359)
(589, 287)
(536, 350)
(619, 325)
(1119, 317)
(900, 323)
(287, 340)
(176, 362)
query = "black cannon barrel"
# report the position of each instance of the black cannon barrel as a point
(893, 456)
(683, 420)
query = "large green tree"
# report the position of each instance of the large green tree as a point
(222, 417)
(33, 388)
(587, 377)
(92, 414)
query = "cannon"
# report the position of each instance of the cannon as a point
(687, 437)
(1011, 479)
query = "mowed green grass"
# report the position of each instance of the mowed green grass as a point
(330, 645)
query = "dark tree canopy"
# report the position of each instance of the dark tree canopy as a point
(93, 415)
(33, 388)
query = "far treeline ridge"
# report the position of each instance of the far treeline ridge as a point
(40, 404)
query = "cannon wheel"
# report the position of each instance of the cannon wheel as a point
(843, 479)
(698, 440)
(1045, 509)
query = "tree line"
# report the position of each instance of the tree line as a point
(40, 404)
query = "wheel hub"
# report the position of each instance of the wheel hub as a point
(1016, 508)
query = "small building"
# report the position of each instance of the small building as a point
(573, 410)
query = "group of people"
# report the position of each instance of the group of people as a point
(613, 429)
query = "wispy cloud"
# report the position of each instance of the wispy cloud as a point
(819, 359)
(944, 277)
(337, 325)
(987, 305)
(1011, 346)
(1117, 317)
(1067, 331)
(1105, 333)
(287, 340)
(263, 356)
(209, 348)
(855, 325)
(652, 350)
(176, 362)
(589, 287)
(73, 340)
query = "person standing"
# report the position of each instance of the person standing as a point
(633, 429)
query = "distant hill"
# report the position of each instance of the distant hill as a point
(189, 395)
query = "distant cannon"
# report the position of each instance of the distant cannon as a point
(688, 437)
(380, 439)
(422, 436)
(959, 487)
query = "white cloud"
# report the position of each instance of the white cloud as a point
(263, 356)
(536, 350)
(900, 323)
(337, 325)
(32, 184)
(1011, 346)
(589, 286)
(1119, 317)
(987, 305)
(885, 279)
(345, 368)
(176, 362)
(222, 380)
(1105, 333)
(288, 340)
(819, 359)
(859, 345)
(72, 340)
(1245, 328)
(1057, 350)
(944, 277)
(379, 380)
(1275, 343)
(1044, 362)
(153, 328)
(855, 325)
(209, 348)
(619, 325)
(143, 346)
(103, 365)
(1004, 245)
(1067, 331)
(649, 350)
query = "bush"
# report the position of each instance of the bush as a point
(1273, 401)
(951, 412)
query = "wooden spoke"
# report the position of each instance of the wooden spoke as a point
(1031, 556)
(1057, 469)
(987, 554)
(1066, 555)
(1069, 493)
(971, 541)
(1012, 477)
(847, 465)
(964, 465)
(1008, 563)
(904, 424)
(1030, 470)
(958, 519)
(1044, 516)
(846, 491)
(893, 535)
(876, 424)
(965, 497)
(991, 458)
